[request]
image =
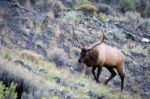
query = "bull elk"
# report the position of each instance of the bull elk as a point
(102, 55)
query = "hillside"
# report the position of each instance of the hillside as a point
(39, 54)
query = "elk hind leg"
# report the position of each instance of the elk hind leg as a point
(113, 74)
(121, 74)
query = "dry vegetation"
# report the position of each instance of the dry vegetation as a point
(30, 55)
(30, 80)
(47, 25)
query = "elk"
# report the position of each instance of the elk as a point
(102, 55)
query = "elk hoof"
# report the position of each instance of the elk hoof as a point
(97, 81)
(106, 83)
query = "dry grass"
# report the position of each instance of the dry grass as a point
(30, 55)
(120, 18)
(35, 25)
(52, 44)
(57, 31)
(50, 14)
(87, 7)
(46, 82)
(29, 24)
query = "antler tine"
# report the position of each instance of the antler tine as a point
(103, 37)
(80, 46)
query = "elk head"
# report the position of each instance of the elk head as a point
(85, 52)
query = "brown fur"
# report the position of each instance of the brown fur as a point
(104, 55)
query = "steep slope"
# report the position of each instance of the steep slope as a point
(29, 27)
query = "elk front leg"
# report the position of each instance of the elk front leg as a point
(98, 73)
(93, 72)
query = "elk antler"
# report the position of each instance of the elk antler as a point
(103, 37)
(80, 45)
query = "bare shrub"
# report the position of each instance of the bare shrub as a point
(74, 52)
(50, 14)
(58, 56)
(57, 6)
(57, 31)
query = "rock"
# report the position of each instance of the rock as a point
(145, 26)
(90, 93)
(116, 83)
(135, 54)
(104, 8)
(61, 94)
(74, 87)
(146, 40)
(68, 3)
(146, 86)
(23, 65)
(1, 40)
(130, 36)
(101, 97)
(42, 70)
(60, 81)
(145, 95)
(77, 85)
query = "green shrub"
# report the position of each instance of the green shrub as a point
(41, 2)
(119, 36)
(8, 92)
(133, 18)
(128, 4)
(103, 17)
(146, 12)
(104, 8)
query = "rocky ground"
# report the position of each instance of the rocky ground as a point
(27, 27)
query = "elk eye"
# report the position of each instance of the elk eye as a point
(84, 54)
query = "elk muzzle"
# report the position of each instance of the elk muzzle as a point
(79, 60)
